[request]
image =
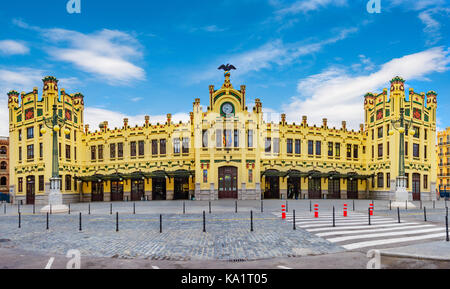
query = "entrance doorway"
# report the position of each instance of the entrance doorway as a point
(272, 187)
(97, 192)
(181, 189)
(334, 188)
(294, 190)
(228, 188)
(416, 187)
(116, 191)
(137, 190)
(159, 189)
(314, 188)
(31, 190)
(352, 189)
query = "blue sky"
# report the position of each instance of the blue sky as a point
(308, 57)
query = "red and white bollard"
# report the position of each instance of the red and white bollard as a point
(371, 209)
(283, 212)
(345, 210)
(316, 210)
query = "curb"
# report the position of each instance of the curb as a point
(413, 256)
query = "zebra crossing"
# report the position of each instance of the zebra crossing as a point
(354, 232)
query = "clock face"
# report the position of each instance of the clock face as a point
(227, 109)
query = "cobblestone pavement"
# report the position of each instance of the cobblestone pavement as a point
(227, 237)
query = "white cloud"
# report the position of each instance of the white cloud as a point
(305, 6)
(337, 94)
(12, 47)
(272, 53)
(107, 54)
(94, 116)
(432, 26)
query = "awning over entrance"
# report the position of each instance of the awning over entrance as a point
(136, 175)
(314, 174)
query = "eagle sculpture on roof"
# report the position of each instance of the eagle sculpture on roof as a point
(227, 67)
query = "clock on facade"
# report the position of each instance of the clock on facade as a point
(227, 109)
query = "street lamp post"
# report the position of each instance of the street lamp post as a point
(55, 204)
(401, 194)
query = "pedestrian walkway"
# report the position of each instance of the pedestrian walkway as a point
(354, 232)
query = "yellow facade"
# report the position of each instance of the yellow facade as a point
(443, 150)
(227, 151)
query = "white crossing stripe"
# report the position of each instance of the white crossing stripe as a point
(284, 267)
(354, 232)
(360, 227)
(347, 223)
(372, 230)
(50, 263)
(391, 241)
(377, 235)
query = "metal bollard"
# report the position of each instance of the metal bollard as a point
(89, 208)
(369, 218)
(294, 220)
(210, 207)
(34, 209)
(390, 205)
(421, 204)
(160, 223)
(334, 220)
(434, 204)
(184, 208)
(134, 208)
(262, 207)
(69, 209)
(251, 221)
(287, 207)
(446, 228)
(353, 205)
(80, 223)
(47, 222)
(398, 214)
(406, 205)
(236, 205)
(18, 208)
(204, 222)
(310, 206)
(117, 221)
(20, 221)
(425, 213)
(50, 209)
(110, 209)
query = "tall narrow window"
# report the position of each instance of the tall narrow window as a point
(276, 145)
(205, 138)
(250, 138)
(120, 150)
(185, 145)
(337, 150)
(93, 153)
(330, 149)
(388, 180)
(310, 147)
(30, 152)
(318, 148)
(425, 181)
(380, 150)
(68, 152)
(406, 148)
(41, 184)
(162, 147)
(154, 147)
(380, 180)
(289, 146)
(20, 153)
(133, 148)
(425, 153)
(236, 138)
(219, 139)
(176, 145)
(141, 148)
(41, 150)
(355, 151)
(297, 147)
(112, 151)
(100, 152)
(268, 145)
(30, 132)
(416, 152)
(349, 151)
(20, 185)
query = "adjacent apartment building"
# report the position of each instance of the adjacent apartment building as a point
(443, 150)
(4, 168)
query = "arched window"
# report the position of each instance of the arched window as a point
(3, 166)
(3, 150)
(3, 181)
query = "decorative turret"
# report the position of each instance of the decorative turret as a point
(13, 99)
(283, 118)
(50, 92)
(258, 106)
(147, 120)
(103, 126)
(304, 121)
(344, 125)
(125, 123)
(431, 99)
(325, 123)
(169, 119)
(398, 85)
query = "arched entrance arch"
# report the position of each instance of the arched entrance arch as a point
(228, 183)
